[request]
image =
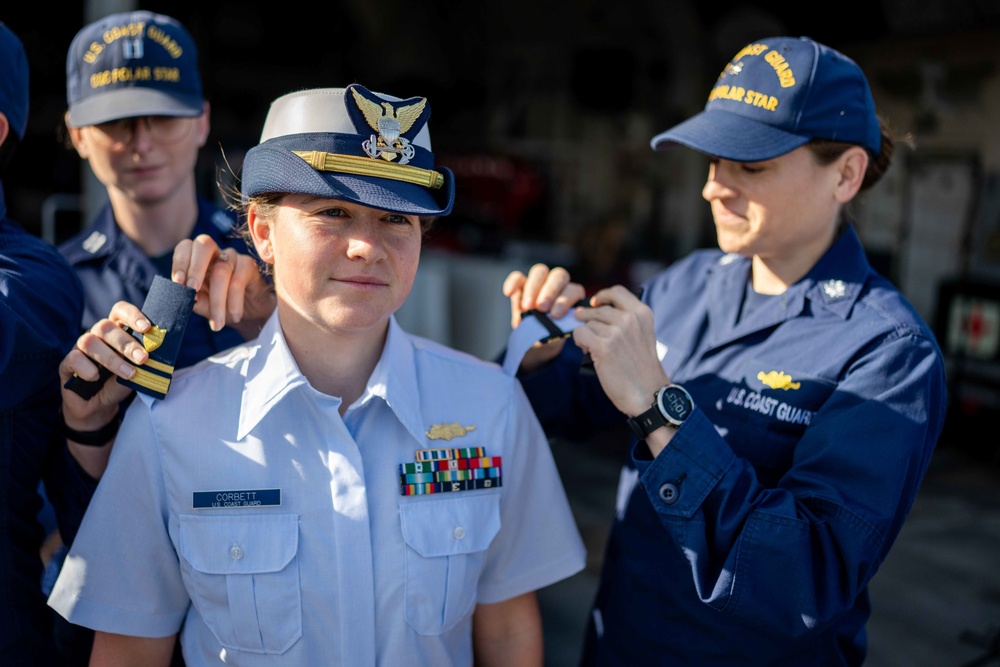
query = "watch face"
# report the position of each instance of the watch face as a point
(675, 404)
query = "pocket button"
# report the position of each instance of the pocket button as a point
(459, 533)
(236, 552)
(669, 493)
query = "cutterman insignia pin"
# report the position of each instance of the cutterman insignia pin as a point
(448, 431)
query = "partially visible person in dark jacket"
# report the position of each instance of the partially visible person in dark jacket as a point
(40, 310)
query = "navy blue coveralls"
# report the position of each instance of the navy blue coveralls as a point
(751, 539)
(40, 305)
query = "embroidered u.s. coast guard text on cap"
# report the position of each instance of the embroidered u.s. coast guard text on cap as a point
(764, 103)
(132, 64)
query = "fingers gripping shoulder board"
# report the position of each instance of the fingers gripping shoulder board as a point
(587, 363)
(168, 307)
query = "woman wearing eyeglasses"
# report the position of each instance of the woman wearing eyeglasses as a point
(138, 117)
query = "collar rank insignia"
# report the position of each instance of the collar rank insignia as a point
(395, 125)
(778, 380)
(448, 431)
(447, 470)
(94, 242)
(835, 289)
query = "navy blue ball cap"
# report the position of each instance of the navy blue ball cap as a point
(132, 64)
(350, 144)
(13, 81)
(777, 94)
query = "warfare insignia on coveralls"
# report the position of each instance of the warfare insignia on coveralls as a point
(777, 380)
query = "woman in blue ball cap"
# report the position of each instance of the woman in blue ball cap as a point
(337, 491)
(784, 398)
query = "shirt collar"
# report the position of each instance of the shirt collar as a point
(836, 281)
(105, 236)
(402, 393)
(272, 374)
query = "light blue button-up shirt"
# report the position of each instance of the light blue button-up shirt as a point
(345, 570)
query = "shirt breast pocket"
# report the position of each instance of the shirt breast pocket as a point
(446, 542)
(243, 577)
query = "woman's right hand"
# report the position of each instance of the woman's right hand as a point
(105, 345)
(548, 290)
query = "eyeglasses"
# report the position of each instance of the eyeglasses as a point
(161, 129)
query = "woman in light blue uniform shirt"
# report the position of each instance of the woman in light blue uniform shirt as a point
(337, 491)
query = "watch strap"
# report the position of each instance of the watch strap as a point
(672, 404)
(97, 438)
(647, 422)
